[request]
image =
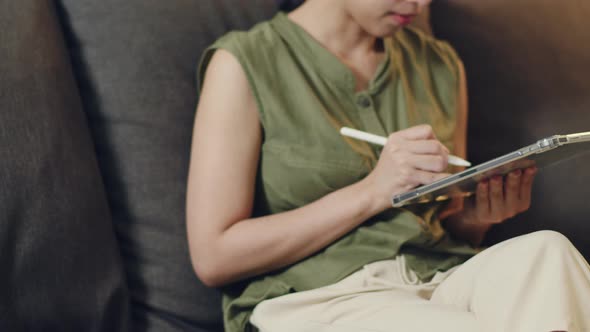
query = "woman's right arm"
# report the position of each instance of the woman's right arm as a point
(226, 244)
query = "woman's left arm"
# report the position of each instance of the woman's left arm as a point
(495, 200)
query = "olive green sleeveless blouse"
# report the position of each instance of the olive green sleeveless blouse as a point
(304, 94)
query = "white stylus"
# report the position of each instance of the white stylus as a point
(380, 140)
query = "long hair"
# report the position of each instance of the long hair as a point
(289, 5)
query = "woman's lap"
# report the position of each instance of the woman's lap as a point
(512, 286)
(376, 298)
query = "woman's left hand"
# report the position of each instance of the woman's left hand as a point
(500, 198)
(496, 200)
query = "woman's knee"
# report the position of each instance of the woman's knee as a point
(546, 241)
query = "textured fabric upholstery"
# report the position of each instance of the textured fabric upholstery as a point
(60, 265)
(135, 62)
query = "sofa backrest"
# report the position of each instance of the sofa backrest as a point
(527, 65)
(135, 62)
(60, 266)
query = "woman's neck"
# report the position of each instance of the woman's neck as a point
(334, 28)
(338, 32)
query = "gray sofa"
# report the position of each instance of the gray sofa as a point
(97, 102)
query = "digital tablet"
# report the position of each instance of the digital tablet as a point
(542, 153)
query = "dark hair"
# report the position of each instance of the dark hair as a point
(289, 5)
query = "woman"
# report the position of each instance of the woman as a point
(295, 220)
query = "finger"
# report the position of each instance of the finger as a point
(430, 146)
(414, 178)
(497, 207)
(429, 163)
(526, 187)
(423, 131)
(512, 191)
(482, 200)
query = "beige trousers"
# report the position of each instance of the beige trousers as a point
(533, 283)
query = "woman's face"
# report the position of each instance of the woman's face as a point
(382, 17)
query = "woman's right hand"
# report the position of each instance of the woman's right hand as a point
(411, 157)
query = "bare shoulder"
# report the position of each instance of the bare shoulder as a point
(226, 89)
(226, 100)
(224, 67)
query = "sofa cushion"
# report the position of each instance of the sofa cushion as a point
(136, 64)
(527, 71)
(61, 268)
